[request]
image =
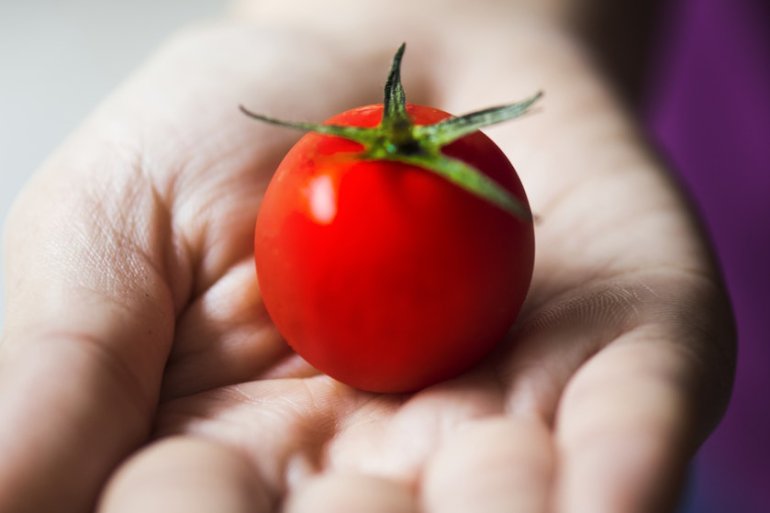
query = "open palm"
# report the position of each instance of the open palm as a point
(137, 346)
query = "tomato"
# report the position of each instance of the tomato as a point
(382, 274)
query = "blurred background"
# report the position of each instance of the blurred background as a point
(708, 108)
(706, 103)
(58, 59)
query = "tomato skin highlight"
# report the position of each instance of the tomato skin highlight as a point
(383, 275)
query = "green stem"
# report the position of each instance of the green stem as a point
(398, 139)
(394, 111)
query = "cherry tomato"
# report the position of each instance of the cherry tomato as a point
(394, 245)
(381, 274)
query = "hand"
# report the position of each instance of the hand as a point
(139, 366)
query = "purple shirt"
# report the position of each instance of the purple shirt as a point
(709, 109)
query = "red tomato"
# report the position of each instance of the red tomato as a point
(384, 275)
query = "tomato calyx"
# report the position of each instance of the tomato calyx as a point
(397, 138)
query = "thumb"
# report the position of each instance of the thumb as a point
(89, 323)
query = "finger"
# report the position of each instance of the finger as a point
(627, 426)
(79, 374)
(224, 337)
(186, 475)
(351, 493)
(89, 324)
(495, 465)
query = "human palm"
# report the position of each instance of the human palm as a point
(134, 308)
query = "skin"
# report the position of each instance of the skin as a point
(139, 371)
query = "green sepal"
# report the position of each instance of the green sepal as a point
(466, 177)
(365, 136)
(451, 129)
(398, 139)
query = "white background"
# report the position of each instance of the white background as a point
(59, 58)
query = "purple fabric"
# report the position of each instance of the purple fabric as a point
(710, 111)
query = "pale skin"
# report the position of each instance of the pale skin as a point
(139, 370)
